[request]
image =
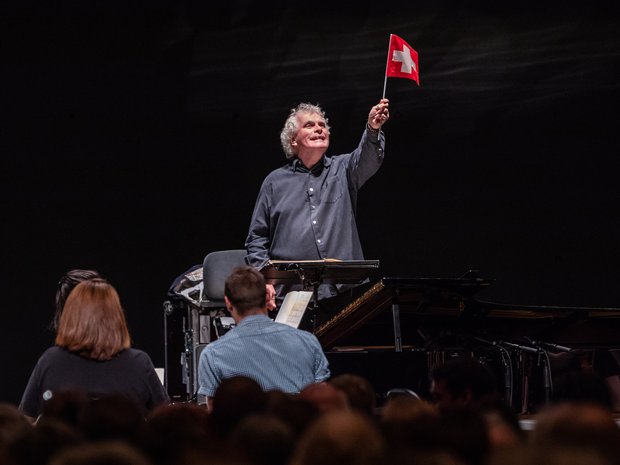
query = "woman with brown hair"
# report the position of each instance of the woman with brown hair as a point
(93, 354)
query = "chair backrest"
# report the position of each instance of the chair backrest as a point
(215, 269)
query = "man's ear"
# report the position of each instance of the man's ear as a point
(228, 304)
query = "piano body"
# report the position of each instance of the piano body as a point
(398, 328)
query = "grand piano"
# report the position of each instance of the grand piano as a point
(393, 330)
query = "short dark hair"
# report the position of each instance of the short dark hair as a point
(245, 289)
(466, 373)
(65, 285)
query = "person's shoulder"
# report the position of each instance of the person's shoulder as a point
(53, 352)
(302, 333)
(278, 172)
(134, 354)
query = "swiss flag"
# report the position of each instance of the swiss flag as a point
(402, 60)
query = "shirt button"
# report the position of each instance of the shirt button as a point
(311, 189)
(312, 206)
(318, 241)
(313, 221)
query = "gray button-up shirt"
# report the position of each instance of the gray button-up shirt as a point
(309, 214)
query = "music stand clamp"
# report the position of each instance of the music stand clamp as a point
(310, 274)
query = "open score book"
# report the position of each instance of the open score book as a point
(293, 308)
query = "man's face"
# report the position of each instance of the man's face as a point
(442, 397)
(312, 134)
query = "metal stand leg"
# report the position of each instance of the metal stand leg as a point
(398, 342)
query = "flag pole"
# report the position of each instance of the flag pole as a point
(387, 62)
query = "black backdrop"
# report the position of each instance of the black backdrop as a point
(136, 134)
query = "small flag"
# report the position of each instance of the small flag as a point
(402, 60)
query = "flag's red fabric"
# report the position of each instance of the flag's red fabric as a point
(402, 60)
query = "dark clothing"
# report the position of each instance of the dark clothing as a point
(303, 214)
(131, 373)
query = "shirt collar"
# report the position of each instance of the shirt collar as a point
(253, 319)
(297, 165)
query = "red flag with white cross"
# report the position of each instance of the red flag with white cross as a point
(402, 60)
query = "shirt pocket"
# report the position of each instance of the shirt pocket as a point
(332, 190)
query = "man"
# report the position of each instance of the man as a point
(306, 209)
(463, 382)
(277, 356)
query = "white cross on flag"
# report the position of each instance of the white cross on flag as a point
(402, 60)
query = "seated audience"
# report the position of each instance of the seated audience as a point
(93, 354)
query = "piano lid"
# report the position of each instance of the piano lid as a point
(449, 303)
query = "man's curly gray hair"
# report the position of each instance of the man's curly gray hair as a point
(289, 131)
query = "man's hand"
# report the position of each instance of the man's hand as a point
(270, 299)
(379, 114)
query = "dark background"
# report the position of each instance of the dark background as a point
(135, 136)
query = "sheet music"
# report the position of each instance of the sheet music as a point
(293, 308)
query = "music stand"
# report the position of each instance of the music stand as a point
(312, 273)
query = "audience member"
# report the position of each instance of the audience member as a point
(12, 424)
(359, 391)
(276, 355)
(179, 434)
(66, 284)
(39, 444)
(262, 439)
(296, 412)
(93, 353)
(583, 387)
(407, 420)
(236, 398)
(463, 381)
(325, 397)
(113, 417)
(340, 438)
(585, 428)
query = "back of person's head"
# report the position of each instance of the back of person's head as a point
(113, 417)
(464, 434)
(326, 397)
(588, 427)
(296, 412)
(582, 387)
(66, 284)
(245, 289)
(179, 433)
(105, 453)
(463, 381)
(359, 391)
(234, 399)
(37, 445)
(262, 439)
(340, 438)
(410, 426)
(93, 322)
(12, 423)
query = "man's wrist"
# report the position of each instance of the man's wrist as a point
(371, 129)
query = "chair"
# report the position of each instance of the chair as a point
(215, 269)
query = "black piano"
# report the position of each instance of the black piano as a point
(397, 328)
